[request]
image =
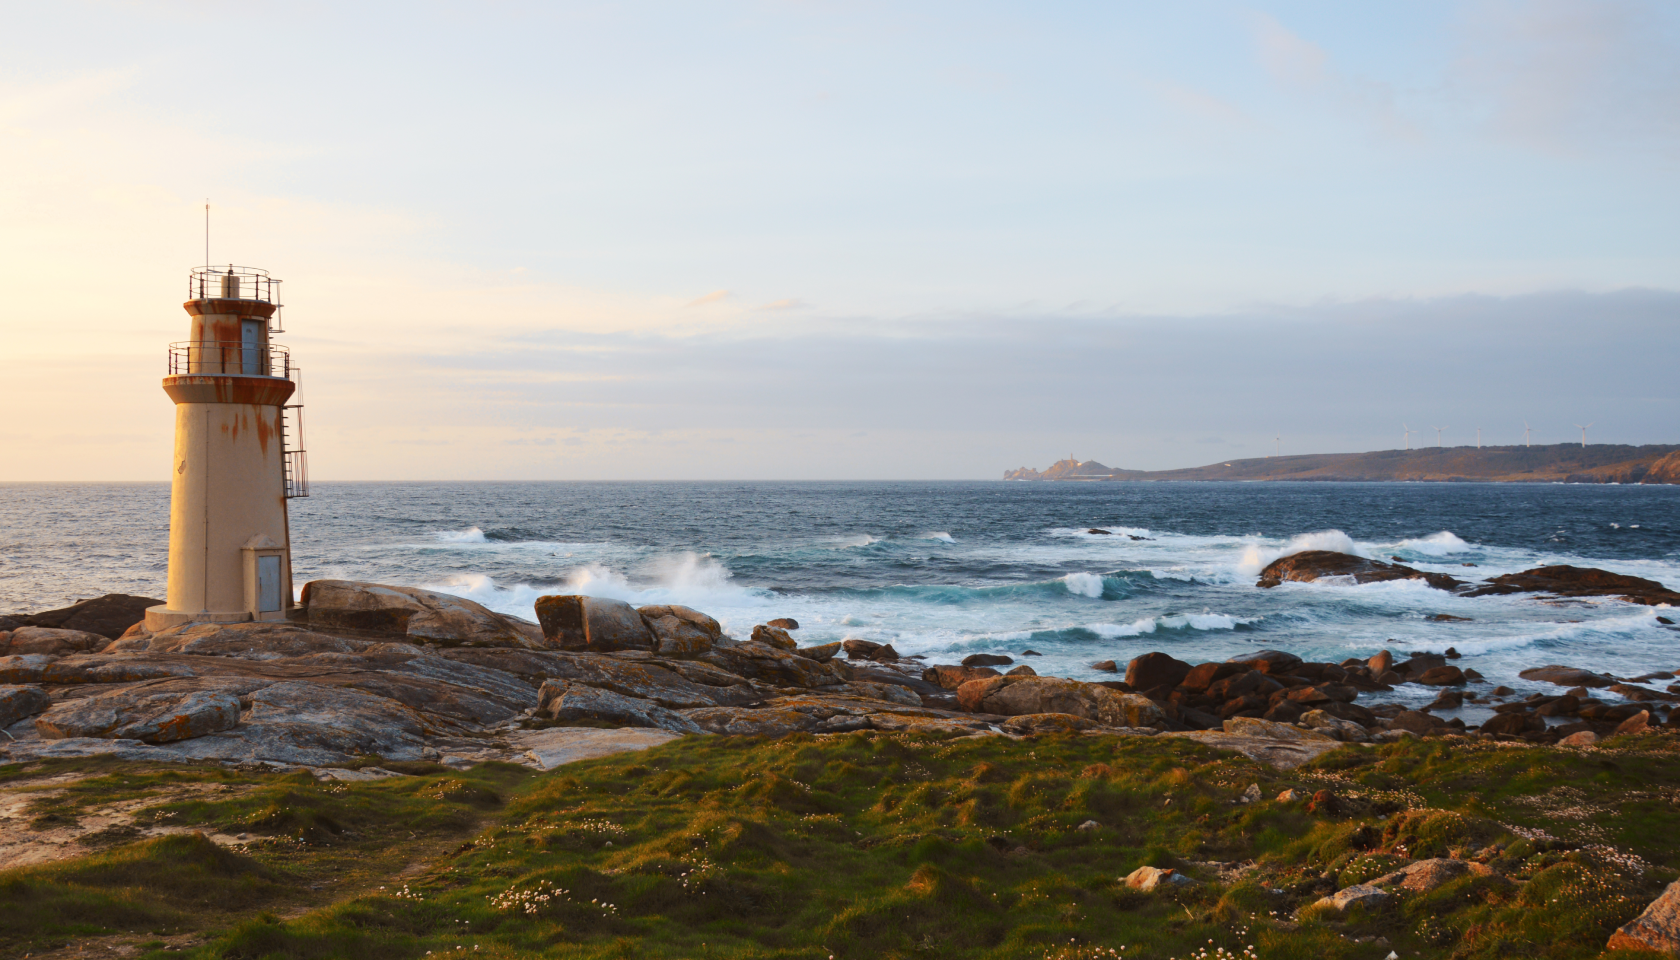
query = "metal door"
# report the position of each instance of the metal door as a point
(250, 347)
(268, 584)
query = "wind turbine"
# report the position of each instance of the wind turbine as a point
(1408, 435)
(1525, 433)
(1584, 435)
(1438, 441)
(1478, 438)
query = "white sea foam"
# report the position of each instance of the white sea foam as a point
(861, 540)
(689, 579)
(1176, 621)
(1257, 556)
(939, 535)
(1437, 544)
(1084, 585)
(469, 535)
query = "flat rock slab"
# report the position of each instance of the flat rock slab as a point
(157, 712)
(1282, 754)
(548, 749)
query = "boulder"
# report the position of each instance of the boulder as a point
(1016, 696)
(109, 616)
(564, 700)
(409, 613)
(1564, 677)
(1362, 895)
(1656, 929)
(1106, 666)
(1256, 727)
(1335, 727)
(1029, 724)
(54, 640)
(1425, 875)
(784, 623)
(1204, 675)
(1321, 693)
(1638, 723)
(885, 654)
(951, 677)
(1513, 724)
(1022, 671)
(155, 712)
(1418, 722)
(987, 660)
(859, 649)
(1155, 670)
(821, 653)
(1580, 738)
(681, 631)
(18, 702)
(1380, 663)
(1310, 565)
(738, 721)
(889, 692)
(1149, 879)
(1267, 661)
(764, 663)
(774, 636)
(646, 680)
(1563, 580)
(1445, 676)
(596, 624)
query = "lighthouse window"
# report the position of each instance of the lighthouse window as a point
(268, 583)
(250, 344)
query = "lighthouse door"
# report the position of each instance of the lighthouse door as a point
(250, 347)
(268, 583)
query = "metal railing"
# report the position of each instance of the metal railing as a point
(229, 358)
(294, 464)
(232, 283)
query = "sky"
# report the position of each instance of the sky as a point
(811, 240)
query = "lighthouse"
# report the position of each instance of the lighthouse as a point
(238, 455)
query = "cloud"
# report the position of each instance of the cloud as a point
(784, 305)
(1570, 76)
(716, 296)
(1299, 64)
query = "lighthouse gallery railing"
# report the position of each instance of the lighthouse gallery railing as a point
(229, 358)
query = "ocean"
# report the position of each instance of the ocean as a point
(946, 569)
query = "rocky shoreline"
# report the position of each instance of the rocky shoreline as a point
(367, 670)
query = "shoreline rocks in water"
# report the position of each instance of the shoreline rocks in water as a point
(1560, 581)
(1310, 565)
(411, 674)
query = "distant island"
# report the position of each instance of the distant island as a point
(1555, 463)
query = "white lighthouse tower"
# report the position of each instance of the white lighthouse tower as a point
(236, 463)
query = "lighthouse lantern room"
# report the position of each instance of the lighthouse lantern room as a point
(238, 455)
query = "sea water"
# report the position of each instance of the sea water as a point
(951, 568)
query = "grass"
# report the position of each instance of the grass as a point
(884, 846)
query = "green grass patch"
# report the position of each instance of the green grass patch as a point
(892, 846)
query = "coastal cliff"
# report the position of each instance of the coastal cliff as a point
(1555, 463)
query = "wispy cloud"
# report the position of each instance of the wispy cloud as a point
(789, 304)
(716, 296)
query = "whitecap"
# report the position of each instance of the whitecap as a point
(1256, 557)
(1437, 544)
(1173, 621)
(469, 535)
(1084, 585)
(939, 535)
